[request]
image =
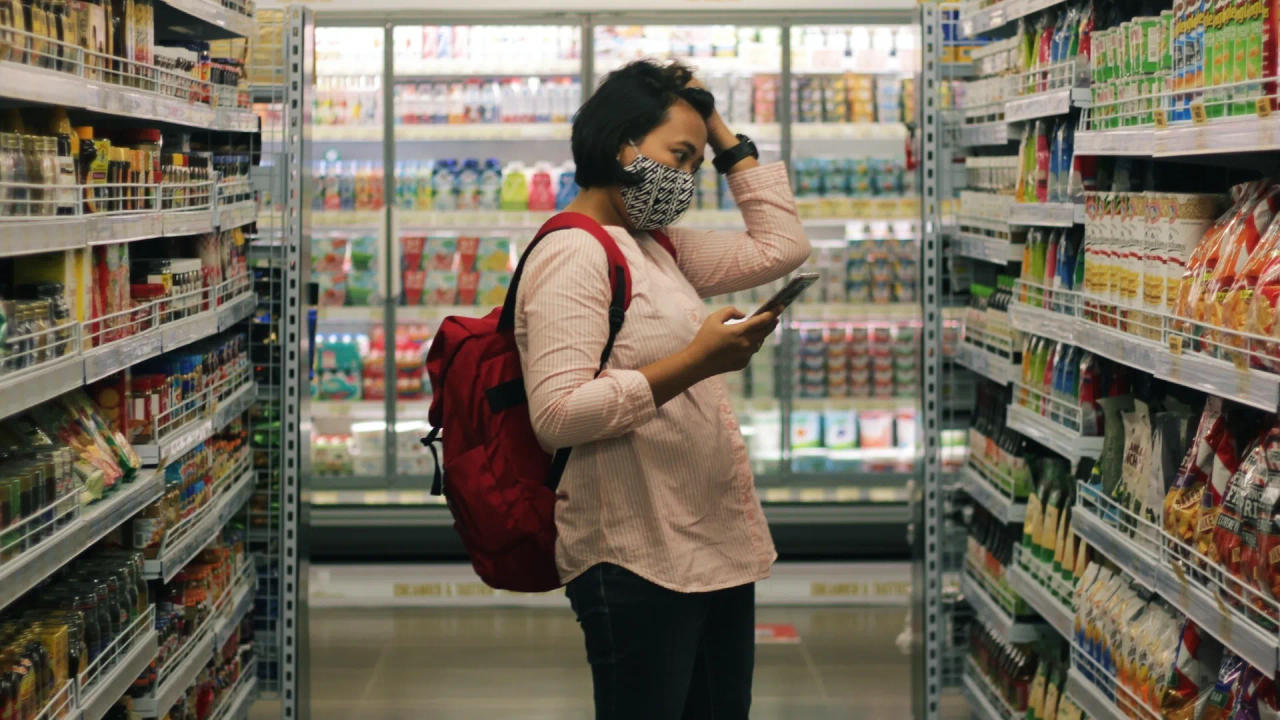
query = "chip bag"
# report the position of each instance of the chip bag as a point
(1192, 675)
(1236, 252)
(1221, 701)
(1203, 260)
(1182, 503)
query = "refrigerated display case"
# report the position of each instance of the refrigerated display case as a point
(442, 147)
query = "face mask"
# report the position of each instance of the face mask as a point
(663, 194)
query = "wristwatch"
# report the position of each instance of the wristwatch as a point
(729, 157)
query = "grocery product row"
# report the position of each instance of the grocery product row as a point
(141, 300)
(119, 59)
(54, 168)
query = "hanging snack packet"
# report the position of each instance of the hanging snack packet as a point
(1192, 674)
(1182, 503)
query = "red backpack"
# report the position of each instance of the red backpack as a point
(499, 483)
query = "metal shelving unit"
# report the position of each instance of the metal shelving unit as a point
(146, 98)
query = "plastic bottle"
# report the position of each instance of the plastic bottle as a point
(542, 102)
(490, 186)
(424, 171)
(468, 184)
(515, 188)
(541, 196)
(568, 189)
(442, 186)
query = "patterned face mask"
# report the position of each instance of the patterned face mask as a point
(663, 194)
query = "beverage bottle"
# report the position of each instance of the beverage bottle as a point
(568, 189)
(423, 186)
(541, 196)
(468, 184)
(442, 186)
(515, 188)
(542, 102)
(376, 189)
(404, 186)
(361, 187)
(490, 185)
(456, 105)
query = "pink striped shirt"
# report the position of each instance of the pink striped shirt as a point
(665, 492)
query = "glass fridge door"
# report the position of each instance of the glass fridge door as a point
(481, 118)
(741, 66)
(348, 388)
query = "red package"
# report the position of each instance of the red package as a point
(1204, 257)
(414, 281)
(1228, 546)
(411, 248)
(468, 283)
(1264, 561)
(1236, 251)
(468, 247)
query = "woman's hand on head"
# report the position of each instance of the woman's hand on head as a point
(721, 347)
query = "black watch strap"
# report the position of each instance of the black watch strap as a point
(729, 157)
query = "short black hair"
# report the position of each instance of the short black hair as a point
(631, 101)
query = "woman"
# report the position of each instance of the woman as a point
(661, 535)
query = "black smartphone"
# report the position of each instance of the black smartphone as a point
(788, 294)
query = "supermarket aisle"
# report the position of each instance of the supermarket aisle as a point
(449, 664)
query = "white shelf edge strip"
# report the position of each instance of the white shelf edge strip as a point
(1059, 616)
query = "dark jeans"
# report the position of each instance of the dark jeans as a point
(657, 654)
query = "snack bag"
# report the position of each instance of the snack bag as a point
(1227, 545)
(1204, 258)
(1191, 675)
(1226, 461)
(1136, 458)
(1182, 503)
(1263, 515)
(1256, 698)
(439, 253)
(1236, 310)
(441, 288)
(1221, 701)
(1236, 251)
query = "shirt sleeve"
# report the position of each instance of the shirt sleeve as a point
(563, 299)
(773, 245)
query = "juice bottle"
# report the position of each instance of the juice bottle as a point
(442, 185)
(468, 184)
(490, 186)
(568, 189)
(541, 196)
(515, 189)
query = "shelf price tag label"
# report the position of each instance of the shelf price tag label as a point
(1162, 119)
(1198, 115)
(1264, 107)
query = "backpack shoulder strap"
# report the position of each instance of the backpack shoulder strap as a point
(665, 241)
(619, 275)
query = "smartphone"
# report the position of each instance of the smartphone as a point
(788, 294)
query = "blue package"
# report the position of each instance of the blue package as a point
(1066, 156)
(567, 192)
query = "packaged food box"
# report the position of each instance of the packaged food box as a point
(329, 254)
(468, 247)
(468, 285)
(493, 287)
(414, 282)
(440, 252)
(412, 248)
(840, 429)
(441, 288)
(494, 254)
(806, 429)
(364, 248)
(333, 288)
(875, 429)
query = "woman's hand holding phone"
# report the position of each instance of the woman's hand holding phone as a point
(721, 346)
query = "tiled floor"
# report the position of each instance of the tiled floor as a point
(449, 664)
